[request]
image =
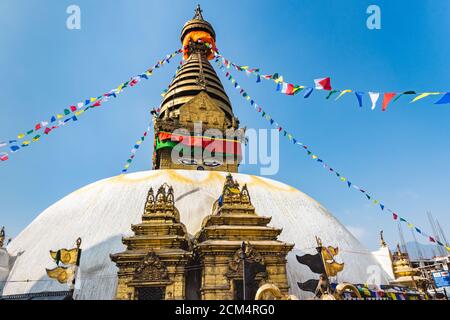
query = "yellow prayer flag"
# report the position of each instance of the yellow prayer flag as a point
(343, 179)
(248, 98)
(332, 268)
(448, 248)
(59, 116)
(424, 95)
(376, 201)
(314, 156)
(25, 143)
(93, 99)
(342, 93)
(127, 166)
(62, 274)
(35, 139)
(20, 136)
(410, 225)
(65, 256)
(279, 79)
(79, 112)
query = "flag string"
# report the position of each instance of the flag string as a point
(72, 113)
(325, 84)
(134, 150)
(316, 158)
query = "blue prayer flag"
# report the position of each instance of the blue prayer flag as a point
(359, 96)
(445, 99)
(308, 92)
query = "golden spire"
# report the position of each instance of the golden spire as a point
(383, 243)
(198, 13)
(2, 237)
(196, 75)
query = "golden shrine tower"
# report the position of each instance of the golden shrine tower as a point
(196, 96)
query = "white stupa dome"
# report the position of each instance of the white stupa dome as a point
(102, 213)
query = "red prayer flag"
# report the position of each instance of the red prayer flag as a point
(73, 108)
(386, 99)
(47, 130)
(395, 216)
(37, 127)
(290, 89)
(323, 84)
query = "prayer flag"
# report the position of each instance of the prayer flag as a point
(323, 84)
(278, 87)
(424, 95)
(287, 88)
(331, 93)
(374, 98)
(445, 99)
(359, 96)
(387, 97)
(308, 92)
(342, 93)
(406, 92)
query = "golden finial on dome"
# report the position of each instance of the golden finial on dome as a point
(383, 243)
(2, 237)
(198, 13)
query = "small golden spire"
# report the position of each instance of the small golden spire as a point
(78, 243)
(383, 243)
(198, 13)
(2, 237)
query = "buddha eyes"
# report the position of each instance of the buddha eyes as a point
(206, 162)
(188, 162)
(211, 163)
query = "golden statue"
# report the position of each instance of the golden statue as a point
(270, 291)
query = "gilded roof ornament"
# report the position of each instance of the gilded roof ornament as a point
(383, 243)
(198, 13)
(2, 237)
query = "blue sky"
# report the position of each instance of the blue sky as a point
(400, 156)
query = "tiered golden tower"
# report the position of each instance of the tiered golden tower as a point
(196, 97)
(234, 235)
(152, 267)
